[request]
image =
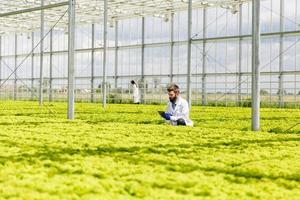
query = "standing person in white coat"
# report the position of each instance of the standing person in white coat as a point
(136, 93)
(177, 109)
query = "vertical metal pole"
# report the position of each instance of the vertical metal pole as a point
(0, 61)
(239, 103)
(280, 89)
(271, 47)
(32, 67)
(93, 65)
(15, 79)
(204, 59)
(41, 56)
(296, 63)
(143, 89)
(116, 54)
(226, 59)
(172, 49)
(255, 65)
(104, 54)
(189, 72)
(71, 46)
(51, 66)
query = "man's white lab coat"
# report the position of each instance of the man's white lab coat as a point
(181, 111)
(136, 94)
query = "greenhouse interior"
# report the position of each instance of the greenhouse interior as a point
(149, 44)
(75, 59)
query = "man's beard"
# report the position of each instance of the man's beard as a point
(173, 100)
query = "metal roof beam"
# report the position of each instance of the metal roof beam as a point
(17, 12)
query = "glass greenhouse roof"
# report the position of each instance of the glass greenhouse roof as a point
(24, 15)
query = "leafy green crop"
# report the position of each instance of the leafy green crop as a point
(128, 152)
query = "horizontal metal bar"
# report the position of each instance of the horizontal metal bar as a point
(17, 12)
(233, 37)
(175, 75)
(162, 44)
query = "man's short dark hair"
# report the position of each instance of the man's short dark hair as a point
(173, 87)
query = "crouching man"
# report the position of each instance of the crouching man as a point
(177, 109)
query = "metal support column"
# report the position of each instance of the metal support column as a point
(0, 61)
(143, 89)
(189, 55)
(116, 54)
(93, 65)
(239, 102)
(32, 67)
(172, 49)
(204, 103)
(255, 65)
(71, 46)
(280, 77)
(51, 67)
(104, 86)
(16, 62)
(41, 56)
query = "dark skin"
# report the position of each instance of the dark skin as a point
(173, 96)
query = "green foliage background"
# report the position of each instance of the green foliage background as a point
(128, 152)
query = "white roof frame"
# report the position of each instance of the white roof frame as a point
(24, 15)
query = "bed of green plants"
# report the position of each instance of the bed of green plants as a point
(128, 152)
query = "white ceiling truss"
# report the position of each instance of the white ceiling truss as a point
(12, 18)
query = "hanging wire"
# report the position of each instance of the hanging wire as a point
(282, 16)
(31, 52)
(294, 44)
(30, 89)
(281, 53)
(210, 23)
(264, 66)
(26, 57)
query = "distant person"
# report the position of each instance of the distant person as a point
(136, 93)
(177, 109)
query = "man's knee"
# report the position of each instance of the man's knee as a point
(181, 122)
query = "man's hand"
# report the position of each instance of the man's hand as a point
(167, 116)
